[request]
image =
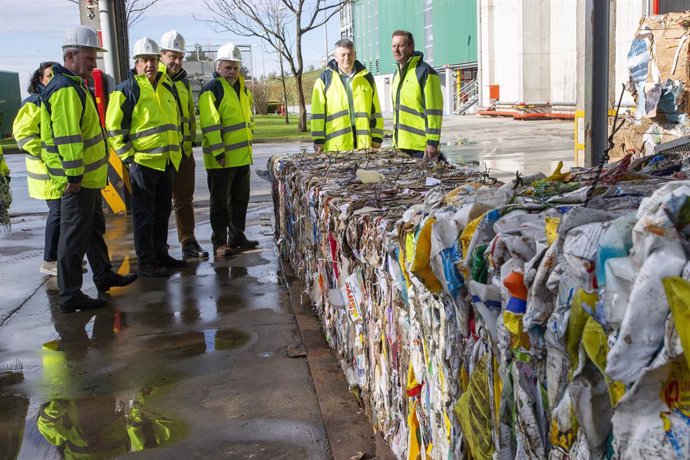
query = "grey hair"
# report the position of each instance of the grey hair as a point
(344, 43)
(72, 49)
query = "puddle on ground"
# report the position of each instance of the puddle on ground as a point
(101, 426)
(187, 344)
(225, 339)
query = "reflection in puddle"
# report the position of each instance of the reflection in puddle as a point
(238, 272)
(178, 345)
(105, 427)
(225, 339)
(188, 344)
(13, 408)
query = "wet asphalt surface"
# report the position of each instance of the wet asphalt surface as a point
(194, 365)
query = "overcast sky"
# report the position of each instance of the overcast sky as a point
(31, 32)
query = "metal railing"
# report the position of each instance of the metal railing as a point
(466, 97)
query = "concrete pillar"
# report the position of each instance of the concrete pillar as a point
(596, 79)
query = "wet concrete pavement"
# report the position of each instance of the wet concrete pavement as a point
(196, 365)
(504, 145)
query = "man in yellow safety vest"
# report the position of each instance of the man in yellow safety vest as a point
(75, 153)
(345, 109)
(225, 112)
(143, 123)
(172, 53)
(417, 101)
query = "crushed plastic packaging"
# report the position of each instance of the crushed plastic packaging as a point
(483, 320)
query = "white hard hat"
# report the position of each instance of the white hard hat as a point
(82, 37)
(229, 52)
(172, 41)
(145, 47)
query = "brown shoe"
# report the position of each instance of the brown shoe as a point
(224, 251)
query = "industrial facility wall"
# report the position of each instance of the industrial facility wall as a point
(454, 31)
(534, 50)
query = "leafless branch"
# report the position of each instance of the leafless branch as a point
(280, 23)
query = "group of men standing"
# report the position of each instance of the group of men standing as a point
(150, 123)
(346, 113)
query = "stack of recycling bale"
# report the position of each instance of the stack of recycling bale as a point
(477, 319)
(659, 65)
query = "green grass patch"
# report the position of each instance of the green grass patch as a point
(269, 128)
(273, 127)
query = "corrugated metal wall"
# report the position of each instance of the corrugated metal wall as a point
(454, 30)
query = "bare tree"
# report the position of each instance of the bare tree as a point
(135, 9)
(272, 21)
(261, 94)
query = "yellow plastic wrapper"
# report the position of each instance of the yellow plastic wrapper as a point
(557, 175)
(678, 294)
(595, 343)
(676, 389)
(551, 227)
(513, 323)
(409, 247)
(576, 326)
(422, 258)
(466, 237)
(414, 441)
(473, 410)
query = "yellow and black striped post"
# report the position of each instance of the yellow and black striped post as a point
(117, 192)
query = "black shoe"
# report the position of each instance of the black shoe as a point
(243, 244)
(170, 262)
(192, 250)
(81, 302)
(113, 279)
(152, 270)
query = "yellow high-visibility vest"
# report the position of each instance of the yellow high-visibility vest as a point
(27, 133)
(186, 106)
(73, 145)
(331, 120)
(143, 122)
(417, 105)
(227, 123)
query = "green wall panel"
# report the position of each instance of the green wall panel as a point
(455, 31)
(453, 22)
(10, 101)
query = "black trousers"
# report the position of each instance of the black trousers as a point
(82, 226)
(151, 208)
(229, 189)
(52, 236)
